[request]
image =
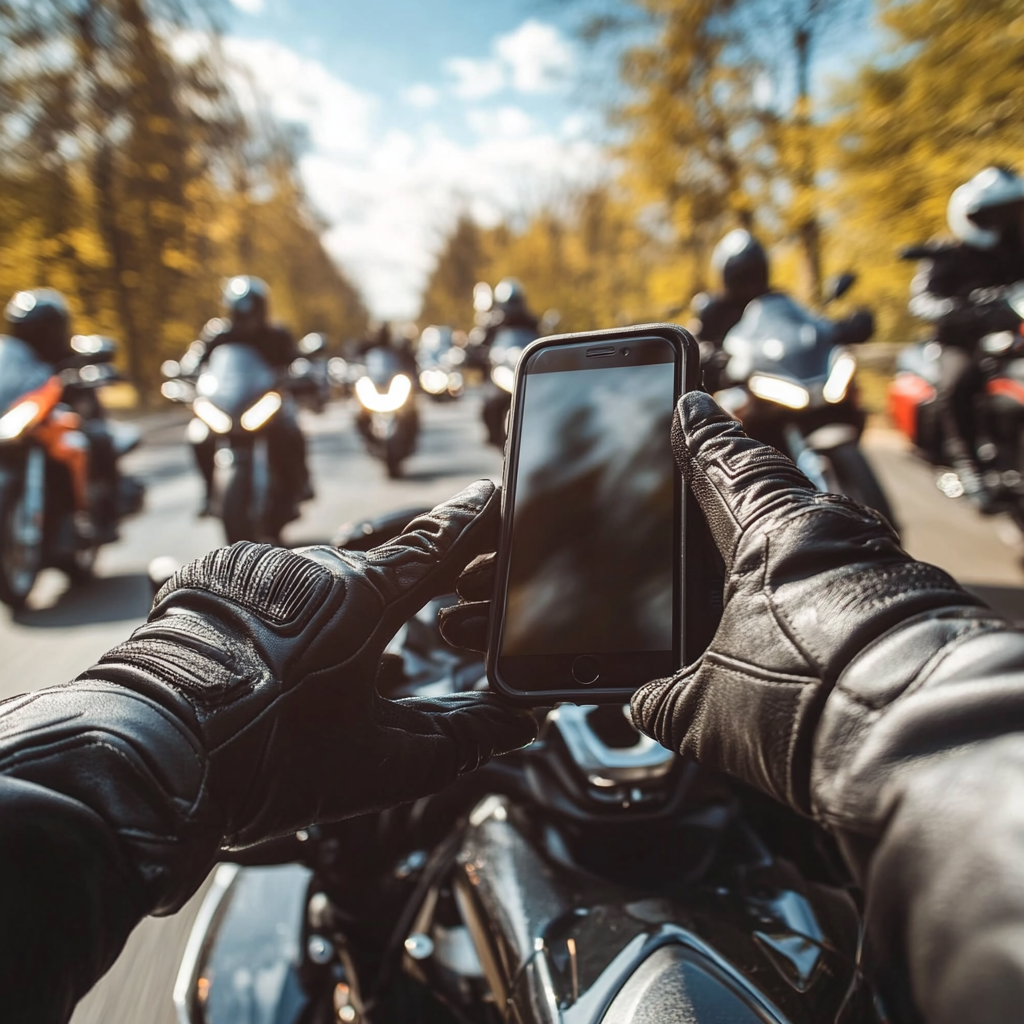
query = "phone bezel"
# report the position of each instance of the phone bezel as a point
(687, 378)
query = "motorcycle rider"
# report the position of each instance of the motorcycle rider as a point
(740, 265)
(509, 309)
(246, 301)
(40, 318)
(959, 287)
(857, 686)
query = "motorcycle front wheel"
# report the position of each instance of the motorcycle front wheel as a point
(236, 502)
(855, 478)
(19, 563)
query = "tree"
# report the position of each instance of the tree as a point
(448, 297)
(719, 125)
(943, 99)
(130, 179)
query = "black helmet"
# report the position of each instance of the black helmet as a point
(988, 209)
(246, 301)
(509, 295)
(40, 318)
(742, 264)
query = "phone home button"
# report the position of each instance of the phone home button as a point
(586, 670)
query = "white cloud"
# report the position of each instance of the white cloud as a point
(249, 6)
(537, 56)
(475, 79)
(391, 195)
(421, 96)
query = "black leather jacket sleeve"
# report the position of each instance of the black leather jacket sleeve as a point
(919, 770)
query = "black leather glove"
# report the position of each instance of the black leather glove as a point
(245, 708)
(812, 579)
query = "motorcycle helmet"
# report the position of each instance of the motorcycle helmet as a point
(988, 209)
(509, 295)
(741, 264)
(40, 318)
(246, 300)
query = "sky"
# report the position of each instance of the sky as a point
(416, 110)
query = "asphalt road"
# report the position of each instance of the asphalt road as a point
(63, 631)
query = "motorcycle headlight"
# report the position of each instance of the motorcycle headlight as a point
(434, 381)
(256, 415)
(14, 421)
(782, 392)
(216, 419)
(504, 377)
(391, 401)
(839, 378)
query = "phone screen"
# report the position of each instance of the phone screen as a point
(593, 563)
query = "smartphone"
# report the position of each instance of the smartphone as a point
(589, 593)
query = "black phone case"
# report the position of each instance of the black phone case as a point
(689, 355)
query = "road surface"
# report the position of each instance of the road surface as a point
(63, 631)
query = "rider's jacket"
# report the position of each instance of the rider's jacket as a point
(957, 288)
(275, 343)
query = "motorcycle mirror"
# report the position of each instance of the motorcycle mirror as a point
(311, 344)
(170, 368)
(98, 348)
(839, 285)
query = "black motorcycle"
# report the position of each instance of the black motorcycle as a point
(593, 877)
(440, 363)
(51, 427)
(791, 380)
(387, 417)
(235, 399)
(502, 359)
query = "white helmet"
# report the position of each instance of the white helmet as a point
(974, 216)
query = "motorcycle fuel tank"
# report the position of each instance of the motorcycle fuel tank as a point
(559, 945)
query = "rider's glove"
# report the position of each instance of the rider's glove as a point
(245, 708)
(812, 580)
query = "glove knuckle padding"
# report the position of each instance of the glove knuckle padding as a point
(281, 587)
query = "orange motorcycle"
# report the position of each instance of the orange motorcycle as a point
(45, 501)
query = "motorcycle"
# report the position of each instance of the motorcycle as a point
(310, 374)
(593, 877)
(793, 386)
(235, 398)
(502, 359)
(440, 363)
(387, 417)
(998, 440)
(47, 501)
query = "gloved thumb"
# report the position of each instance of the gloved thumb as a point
(736, 479)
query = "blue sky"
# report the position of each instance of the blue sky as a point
(415, 110)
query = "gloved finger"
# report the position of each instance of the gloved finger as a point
(736, 479)
(466, 625)
(477, 580)
(436, 740)
(652, 710)
(428, 557)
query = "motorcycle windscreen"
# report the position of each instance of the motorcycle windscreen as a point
(21, 371)
(382, 365)
(235, 377)
(777, 336)
(593, 562)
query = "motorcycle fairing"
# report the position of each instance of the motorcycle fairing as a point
(234, 378)
(243, 956)
(776, 336)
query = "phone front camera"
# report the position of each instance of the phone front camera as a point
(625, 351)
